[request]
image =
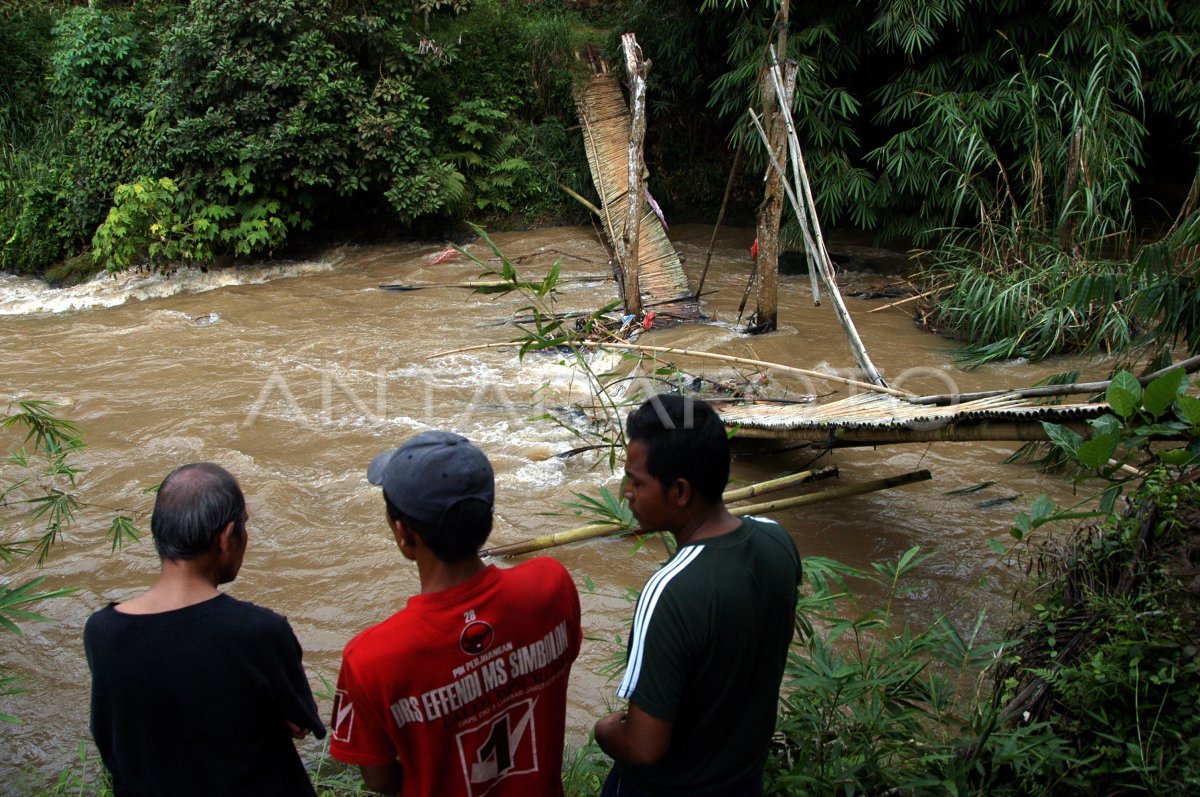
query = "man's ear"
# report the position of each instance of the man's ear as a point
(227, 538)
(406, 538)
(680, 492)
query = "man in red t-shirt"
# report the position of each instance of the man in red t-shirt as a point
(463, 692)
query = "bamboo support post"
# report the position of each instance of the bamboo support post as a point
(806, 214)
(608, 530)
(636, 67)
(770, 211)
(788, 369)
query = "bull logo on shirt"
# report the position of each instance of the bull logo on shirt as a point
(476, 637)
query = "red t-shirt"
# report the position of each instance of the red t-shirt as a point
(466, 687)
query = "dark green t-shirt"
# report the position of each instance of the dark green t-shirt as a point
(709, 642)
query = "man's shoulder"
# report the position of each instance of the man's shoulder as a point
(248, 611)
(394, 633)
(771, 533)
(539, 570)
(100, 621)
(540, 582)
(232, 618)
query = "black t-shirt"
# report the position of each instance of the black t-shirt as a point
(194, 701)
(707, 652)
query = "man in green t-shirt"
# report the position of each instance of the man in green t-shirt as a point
(712, 628)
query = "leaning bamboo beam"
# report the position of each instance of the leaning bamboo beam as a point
(581, 200)
(592, 530)
(611, 529)
(891, 391)
(733, 170)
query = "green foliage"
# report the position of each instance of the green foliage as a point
(37, 487)
(1109, 655)
(43, 206)
(871, 708)
(98, 74)
(605, 507)
(584, 770)
(1016, 293)
(154, 222)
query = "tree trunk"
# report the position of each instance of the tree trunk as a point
(770, 212)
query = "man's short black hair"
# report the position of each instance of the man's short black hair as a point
(463, 530)
(193, 504)
(684, 438)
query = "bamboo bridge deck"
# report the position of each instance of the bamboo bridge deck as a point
(871, 419)
(605, 119)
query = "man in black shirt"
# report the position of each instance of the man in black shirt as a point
(195, 692)
(712, 627)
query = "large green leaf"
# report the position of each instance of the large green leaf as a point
(1188, 409)
(1124, 394)
(1162, 392)
(1096, 452)
(1066, 439)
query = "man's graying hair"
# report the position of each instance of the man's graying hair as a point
(194, 503)
(684, 438)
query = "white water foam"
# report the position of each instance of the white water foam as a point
(24, 296)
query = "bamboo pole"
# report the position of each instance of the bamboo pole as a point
(488, 284)
(906, 300)
(890, 391)
(636, 67)
(781, 483)
(602, 529)
(581, 200)
(737, 157)
(1190, 365)
(608, 529)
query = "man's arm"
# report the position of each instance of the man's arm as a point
(385, 778)
(634, 737)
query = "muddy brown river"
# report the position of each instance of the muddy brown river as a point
(295, 375)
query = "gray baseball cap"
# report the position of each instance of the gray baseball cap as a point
(432, 472)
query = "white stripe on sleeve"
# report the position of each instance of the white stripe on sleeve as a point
(645, 608)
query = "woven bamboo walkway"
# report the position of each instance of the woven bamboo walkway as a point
(605, 119)
(874, 419)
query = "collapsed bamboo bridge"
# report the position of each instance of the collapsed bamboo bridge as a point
(873, 419)
(646, 263)
(649, 274)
